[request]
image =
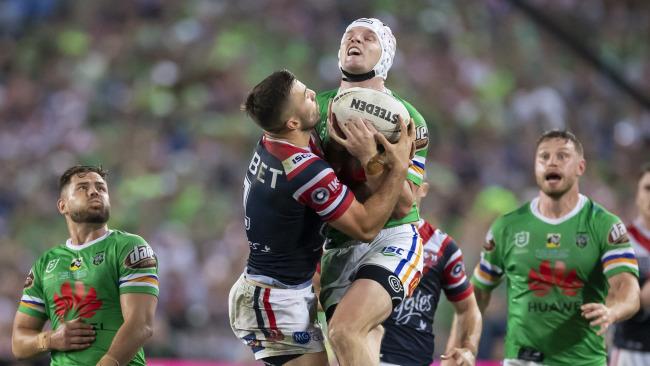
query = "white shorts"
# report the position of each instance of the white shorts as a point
(626, 357)
(398, 249)
(272, 321)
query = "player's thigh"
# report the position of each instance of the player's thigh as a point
(365, 306)
(310, 359)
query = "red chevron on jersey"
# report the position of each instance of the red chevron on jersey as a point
(638, 236)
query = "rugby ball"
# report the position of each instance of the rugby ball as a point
(379, 108)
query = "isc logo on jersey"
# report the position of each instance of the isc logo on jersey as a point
(141, 256)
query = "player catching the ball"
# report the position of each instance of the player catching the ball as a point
(363, 281)
(289, 191)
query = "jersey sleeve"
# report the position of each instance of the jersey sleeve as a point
(317, 187)
(488, 272)
(416, 168)
(617, 253)
(33, 301)
(455, 283)
(138, 267)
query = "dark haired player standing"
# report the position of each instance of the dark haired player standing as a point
(99, 290)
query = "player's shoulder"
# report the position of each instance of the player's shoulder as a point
(125, 239)
(599, 213)
(413, 112)
(327, 94)
(521, 213)
(50, 254)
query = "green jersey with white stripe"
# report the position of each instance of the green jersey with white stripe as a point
(552, 267)
(86, 281)
(416, 169)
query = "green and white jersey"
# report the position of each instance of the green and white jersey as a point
(416, 169)
(552, 267)
(86, 281)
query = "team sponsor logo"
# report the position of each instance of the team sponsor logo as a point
(392, 251)
(421, 137)
(29, 281)
(98, 258)
(77, 302)
(582, 240)
(552, 275)
(140, 257)
(618, 234)
(522, 238)
(395, 283)
(76, 264)
(458, 270)
(51, 265)
(413, 307)
(558, 307)
(320, 195)
(301, 337)
(553, 240)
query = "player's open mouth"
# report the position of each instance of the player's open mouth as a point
(553, 177)
(354, 51)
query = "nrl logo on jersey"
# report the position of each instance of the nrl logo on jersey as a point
(140, 257)
(51, 265)
(553, 240)
(522, 238)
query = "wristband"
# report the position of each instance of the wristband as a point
(43, 341)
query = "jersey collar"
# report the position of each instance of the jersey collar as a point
(534, 208)
(68, 243)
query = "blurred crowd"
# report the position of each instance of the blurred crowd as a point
(151, 91)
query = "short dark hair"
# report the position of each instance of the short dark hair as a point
(645, 168)
(72, 171)
(266, 102)
(561, 134)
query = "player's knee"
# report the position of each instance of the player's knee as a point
(341, 333)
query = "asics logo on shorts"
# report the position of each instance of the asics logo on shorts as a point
(395, 283)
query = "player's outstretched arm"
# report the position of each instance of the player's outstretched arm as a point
(645, 295)
(364, 221)
(28, 338)
(138, 311)
(482, 298)
(465, 334)
(622, 302)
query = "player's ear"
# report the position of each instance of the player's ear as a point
(61, 206)
(292, 123)
(582, 166)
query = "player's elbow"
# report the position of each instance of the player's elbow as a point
(400, 212)
(147, 331)
(367, 235)
(18, 351)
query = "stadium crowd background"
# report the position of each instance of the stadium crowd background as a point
(151, 90)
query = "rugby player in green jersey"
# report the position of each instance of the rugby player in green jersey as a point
(362, 282)
(569, 266)
(99, 290)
